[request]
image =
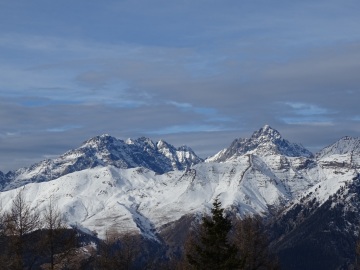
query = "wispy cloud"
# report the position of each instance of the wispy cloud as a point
(189, 128)
(190, 107)
(307, 121)
(63, 128)
(307, 114)
(306, 109)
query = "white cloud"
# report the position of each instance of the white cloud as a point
(306, 109)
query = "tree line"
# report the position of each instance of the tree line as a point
(222, 242)
(30, 240)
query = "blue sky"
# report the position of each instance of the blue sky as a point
(200, 73)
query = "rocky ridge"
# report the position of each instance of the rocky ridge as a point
(266, 141)
(103, 151)
(144, 186)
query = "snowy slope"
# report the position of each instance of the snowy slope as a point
(139, 199)
(320, 230)
(109, 183)
(102, 151)
(346, 150)
(263, 142)
(337, 168)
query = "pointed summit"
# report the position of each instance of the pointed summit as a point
(266, 132)
(266, 141)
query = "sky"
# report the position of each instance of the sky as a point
(193, 72)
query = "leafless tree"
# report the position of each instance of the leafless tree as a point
(3, 242)
(118, 250)
(252, 243)
(19, 223)
(356, 264)
(58, 242)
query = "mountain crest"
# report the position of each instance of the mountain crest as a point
(265, 141)
(99, 141)
(145, 143)
(346, 145)
(105, 150)
(267, 133)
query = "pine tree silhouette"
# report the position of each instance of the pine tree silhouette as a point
(212, 249)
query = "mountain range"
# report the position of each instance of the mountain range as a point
(311, 200)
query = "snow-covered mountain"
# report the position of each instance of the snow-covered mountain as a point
(266, 141)
(319, 229)
(144, 186)
(346, 150)
(103, 151)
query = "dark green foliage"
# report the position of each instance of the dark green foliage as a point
(210, 247)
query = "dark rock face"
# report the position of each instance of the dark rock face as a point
(2, 178)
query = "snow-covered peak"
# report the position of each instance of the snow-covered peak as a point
(145, 143)
(105, 150)
(346, 145)
(185, 148)
(99, 141)
(129, 141)
(265, 141)
(266, 133)
(218, 157)
(99, 138)
(109, 182)
(163, 144)
(183, 157)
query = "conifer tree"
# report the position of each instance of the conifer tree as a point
(210, 247)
